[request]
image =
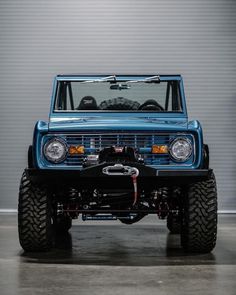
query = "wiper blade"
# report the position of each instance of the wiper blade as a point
(105, 79)
(152, 79)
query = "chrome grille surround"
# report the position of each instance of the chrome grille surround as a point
(141, 141)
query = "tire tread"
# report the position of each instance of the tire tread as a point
(34, 217)
(199, 230)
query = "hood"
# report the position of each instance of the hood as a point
(76, 124)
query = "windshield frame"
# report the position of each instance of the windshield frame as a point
(118, 78)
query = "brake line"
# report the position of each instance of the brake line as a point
(134, 179)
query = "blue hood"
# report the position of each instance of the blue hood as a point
(76, 124)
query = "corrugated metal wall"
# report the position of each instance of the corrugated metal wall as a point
(39, 39)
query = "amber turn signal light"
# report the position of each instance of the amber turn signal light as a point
(159, 149)
(73, 150)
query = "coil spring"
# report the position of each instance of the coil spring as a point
(163, 207)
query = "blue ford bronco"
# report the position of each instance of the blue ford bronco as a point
(118, 147)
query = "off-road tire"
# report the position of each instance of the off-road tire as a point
(35, 225)
(174, 224)
(199, 223)
(119, 103)
(63, 224)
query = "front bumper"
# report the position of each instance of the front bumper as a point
(93, 177)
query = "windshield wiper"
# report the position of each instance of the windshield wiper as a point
(112, 79)
(152, 79)
(105, 79)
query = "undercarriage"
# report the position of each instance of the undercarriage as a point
(119, 204)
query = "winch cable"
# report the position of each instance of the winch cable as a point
(119, 169)
(134, 176)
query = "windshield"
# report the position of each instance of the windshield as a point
(146, 95)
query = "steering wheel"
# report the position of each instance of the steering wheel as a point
(151, 105)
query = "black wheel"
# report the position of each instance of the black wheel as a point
(35, 213)
(119, 103)
(63, 224)
(174, 224)
(199, 228)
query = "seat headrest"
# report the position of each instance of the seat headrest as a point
(88, 103)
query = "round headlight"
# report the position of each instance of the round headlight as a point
(181, 149)
(55, 150)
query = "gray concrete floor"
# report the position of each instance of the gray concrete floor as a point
(111, 258)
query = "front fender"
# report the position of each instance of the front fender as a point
(40, 129)
(196, 128)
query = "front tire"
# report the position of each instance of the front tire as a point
(199, 228)
(35, 225)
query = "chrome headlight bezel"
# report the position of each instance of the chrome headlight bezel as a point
(63, 145)
(190, 151)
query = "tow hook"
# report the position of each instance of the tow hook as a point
(119, 169)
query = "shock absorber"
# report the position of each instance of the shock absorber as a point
(71, 207)
(163, 207)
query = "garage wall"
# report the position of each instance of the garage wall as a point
(39, 39)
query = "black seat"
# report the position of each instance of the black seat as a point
(87, 103)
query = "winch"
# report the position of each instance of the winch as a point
(120, 169)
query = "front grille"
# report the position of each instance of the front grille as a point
(143, 142)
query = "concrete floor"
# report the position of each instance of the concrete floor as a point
(111, 258)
